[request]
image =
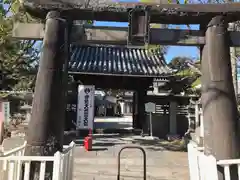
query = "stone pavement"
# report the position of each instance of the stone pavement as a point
(11, 143)
(101, 163)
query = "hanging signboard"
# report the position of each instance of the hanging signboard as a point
(85, 107)
(150, 107)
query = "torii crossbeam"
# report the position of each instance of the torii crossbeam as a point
(115, 11)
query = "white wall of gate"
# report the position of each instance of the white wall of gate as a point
(11, 163)
(203, 167)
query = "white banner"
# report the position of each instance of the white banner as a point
(85, 109)
(5, 111)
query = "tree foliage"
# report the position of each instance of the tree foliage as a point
(17, 57)
(179, 63)
(187, 76)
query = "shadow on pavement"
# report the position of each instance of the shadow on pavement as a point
(98, 149)
(103, 141)
(160, 145)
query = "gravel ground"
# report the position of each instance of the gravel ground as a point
(101, 163)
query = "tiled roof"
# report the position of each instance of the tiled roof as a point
(122, 61)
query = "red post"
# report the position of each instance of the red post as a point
(88, 141)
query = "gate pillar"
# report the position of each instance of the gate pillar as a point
(45, 132)
(218, 98)
(135, 111)
(141, 118)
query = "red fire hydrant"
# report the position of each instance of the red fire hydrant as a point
(88, 141)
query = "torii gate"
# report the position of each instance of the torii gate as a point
(218, 98)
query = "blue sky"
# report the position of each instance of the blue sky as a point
(173, 51)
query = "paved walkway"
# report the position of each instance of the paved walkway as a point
(101, 164)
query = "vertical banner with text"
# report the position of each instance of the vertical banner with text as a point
(85, 107)
(5, 111)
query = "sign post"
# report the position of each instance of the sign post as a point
(5, 111)
(85, 108)
(1, 123)
(150, 107)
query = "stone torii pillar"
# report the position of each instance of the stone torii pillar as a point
(46, 127)
(220, 115)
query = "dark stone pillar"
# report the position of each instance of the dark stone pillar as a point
(218, 98)
(45, 132)
(141, 119)
(134, 110)
(136, 124)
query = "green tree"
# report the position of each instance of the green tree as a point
(17, 57)
(179, 63)
(187, 76)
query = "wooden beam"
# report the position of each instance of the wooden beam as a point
(177, 37)
(114, 11)
(107, 81)
(105, 36)
(118, 36)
